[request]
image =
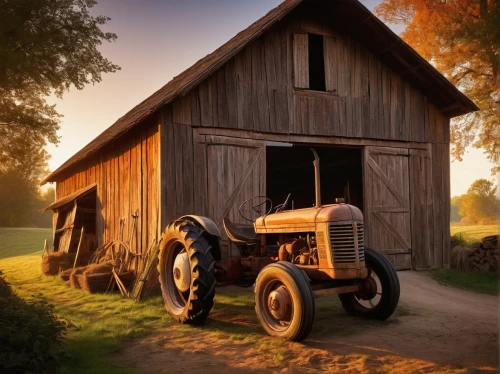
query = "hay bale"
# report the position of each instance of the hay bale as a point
(95, 282)
(73, 278)
(55, 262)
(459, 258)
(99, 268)
(64, 275)
(50, 265)
(99, 282)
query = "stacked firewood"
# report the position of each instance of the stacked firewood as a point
(484, 255)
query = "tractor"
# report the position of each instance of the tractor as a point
(291, 256)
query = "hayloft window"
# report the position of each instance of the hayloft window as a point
(309, 61)
(316, 63)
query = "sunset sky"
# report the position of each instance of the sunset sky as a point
(157, 40)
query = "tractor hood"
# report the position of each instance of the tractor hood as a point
(305, 220)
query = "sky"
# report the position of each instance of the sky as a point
(157, 40)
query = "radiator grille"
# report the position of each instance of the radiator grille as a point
(342, 242)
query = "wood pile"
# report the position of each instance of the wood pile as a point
(484, 255)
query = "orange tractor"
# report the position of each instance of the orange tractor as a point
(293, 255)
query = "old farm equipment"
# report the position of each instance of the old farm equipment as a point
(294, 256)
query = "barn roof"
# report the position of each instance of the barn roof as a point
(350, 15)
(70, 198)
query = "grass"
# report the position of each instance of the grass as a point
(101, 325)
(22, 241)
(477, 281)
(473, 233)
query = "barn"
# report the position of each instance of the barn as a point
(241, 121)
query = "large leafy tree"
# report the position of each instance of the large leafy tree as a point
(479, 204)
(46, 47)
(462, 39)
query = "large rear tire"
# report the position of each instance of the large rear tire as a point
(284, 301)
(187, 272)
(380, 294)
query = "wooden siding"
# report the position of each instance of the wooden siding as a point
(261, 94)
(264, 88)
(127, 175)
(430, 191)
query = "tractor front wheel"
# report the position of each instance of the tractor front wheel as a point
(187, 272)
(379, 295)
(284, 301)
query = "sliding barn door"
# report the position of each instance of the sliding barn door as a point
(236, 171)
(387, 203)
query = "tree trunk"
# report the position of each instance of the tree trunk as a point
(496, 79)
(496, 64)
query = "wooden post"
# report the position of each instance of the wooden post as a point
(45, 249)
(79, 245)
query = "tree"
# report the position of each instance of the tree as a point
(462, 39)
(479, 204)
(454, 208)
(46, 46)
(21, 165)
(43, 219)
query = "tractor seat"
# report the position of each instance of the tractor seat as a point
(240, 234)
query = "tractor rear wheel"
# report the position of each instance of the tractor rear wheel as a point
(284, 301)
(379, 296)
(187, 272)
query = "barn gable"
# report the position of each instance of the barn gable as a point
(352, 17)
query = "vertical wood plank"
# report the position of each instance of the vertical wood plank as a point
(143, 219)
(331, 68)
(231, 94)
(301, 60)
(222, 103)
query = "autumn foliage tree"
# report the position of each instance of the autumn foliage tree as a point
(462, 39)
(479, 205)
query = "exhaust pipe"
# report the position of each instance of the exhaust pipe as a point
(317, 178)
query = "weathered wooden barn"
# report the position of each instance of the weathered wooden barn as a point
(322, 73)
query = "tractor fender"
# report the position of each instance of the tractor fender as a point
(211, 229)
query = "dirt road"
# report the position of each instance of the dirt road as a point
(436, 329)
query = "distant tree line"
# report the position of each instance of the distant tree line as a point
(478, 206)
(20, 204)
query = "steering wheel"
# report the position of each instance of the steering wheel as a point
(281, 207)
(257, 204)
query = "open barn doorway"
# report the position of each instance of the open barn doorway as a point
(289, 169)
(75, 221)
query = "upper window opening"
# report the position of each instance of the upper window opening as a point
(316, 62)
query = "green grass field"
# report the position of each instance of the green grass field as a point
(101, 325)
(474, 233)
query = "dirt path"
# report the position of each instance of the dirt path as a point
(436, 328)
